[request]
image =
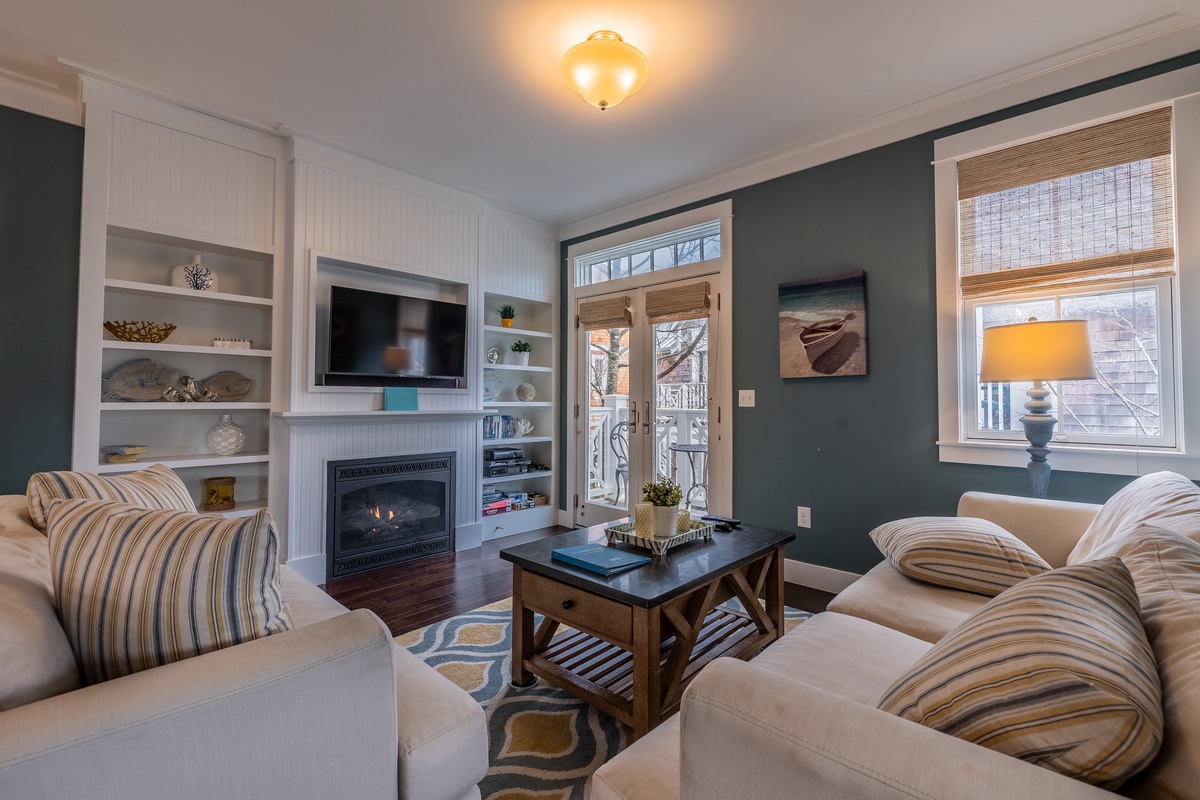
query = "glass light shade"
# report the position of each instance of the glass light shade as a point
(1058, 350)
(604, 69)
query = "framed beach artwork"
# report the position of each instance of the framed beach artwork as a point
(823, 326)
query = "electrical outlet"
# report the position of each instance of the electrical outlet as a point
(803, 516)
(746, 398)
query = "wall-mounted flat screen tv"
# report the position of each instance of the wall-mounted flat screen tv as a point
(380, 339)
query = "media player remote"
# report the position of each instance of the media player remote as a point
(733, 523)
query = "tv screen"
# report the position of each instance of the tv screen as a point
(388, 336)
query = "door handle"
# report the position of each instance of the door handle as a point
(646, 429)
(633, 415)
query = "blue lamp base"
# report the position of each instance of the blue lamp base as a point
(1039, 428)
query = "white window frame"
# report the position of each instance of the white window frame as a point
(955, 334)
(968, 391)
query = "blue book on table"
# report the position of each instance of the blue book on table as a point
(599, 558)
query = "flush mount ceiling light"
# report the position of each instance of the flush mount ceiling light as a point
(604, 69)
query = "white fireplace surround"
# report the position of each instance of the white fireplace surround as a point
(311, 439)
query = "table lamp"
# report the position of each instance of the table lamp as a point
(1058, 350)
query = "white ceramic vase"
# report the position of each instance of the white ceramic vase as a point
(666, 518)
(522, 359)
(195, 276)
(226, 438)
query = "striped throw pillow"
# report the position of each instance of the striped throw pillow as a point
(1055, 671)
(967, 553)
(153, 487)
(138, 588)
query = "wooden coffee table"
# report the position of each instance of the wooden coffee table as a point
(640, 637)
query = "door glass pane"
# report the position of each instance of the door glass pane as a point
(608, 417)
(681, 407)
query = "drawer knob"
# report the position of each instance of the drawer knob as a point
(568, 605)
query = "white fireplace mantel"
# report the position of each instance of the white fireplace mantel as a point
(302, 418)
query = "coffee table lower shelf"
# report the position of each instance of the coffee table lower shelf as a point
(602, 674)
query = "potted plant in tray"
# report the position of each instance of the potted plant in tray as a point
(664, 496)
(506, 312)
(522, 351)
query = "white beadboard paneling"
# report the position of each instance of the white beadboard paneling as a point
(361, 219)
(518, 259)
(311, 446)
(190, 183)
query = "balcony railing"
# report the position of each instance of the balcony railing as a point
(671, 426)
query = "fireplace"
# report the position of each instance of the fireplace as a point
(382, 511)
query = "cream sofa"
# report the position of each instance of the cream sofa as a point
(331, 708)
(800, 719)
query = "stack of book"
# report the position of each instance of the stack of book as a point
(494, 500)
(123, 453)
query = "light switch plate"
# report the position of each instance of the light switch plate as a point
(746, 398)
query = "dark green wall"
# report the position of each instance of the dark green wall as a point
(858, 450)
(41, 169)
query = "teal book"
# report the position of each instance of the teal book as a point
(599, 558)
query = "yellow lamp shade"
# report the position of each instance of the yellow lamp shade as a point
(604, 69)
(1057, 350)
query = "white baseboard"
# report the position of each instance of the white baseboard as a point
(311, 568)
(815, 576)
(467, 537)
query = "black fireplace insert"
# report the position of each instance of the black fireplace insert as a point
(386, 510)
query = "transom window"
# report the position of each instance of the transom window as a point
(666, 251)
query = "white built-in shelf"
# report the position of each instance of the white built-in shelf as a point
(519, 368)
(518, 333)
(186, 461)
(163, 347)
(518, 404)
(188, 238)
(247, 508)
(119, 405)
(159, 290)
(544, 473)
(519, 440)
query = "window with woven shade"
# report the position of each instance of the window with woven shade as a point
(1078, 225)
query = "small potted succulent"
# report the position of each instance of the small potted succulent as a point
(664, 495)
(522, 351)
(506, 312)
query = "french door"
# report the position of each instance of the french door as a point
(646, 357)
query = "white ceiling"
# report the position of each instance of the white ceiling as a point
(468, 94)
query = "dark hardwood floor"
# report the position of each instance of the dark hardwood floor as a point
(413, 595)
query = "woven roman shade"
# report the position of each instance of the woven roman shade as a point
(677, 304)
(608, 312)
(1082, 207)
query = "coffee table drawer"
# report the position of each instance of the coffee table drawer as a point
(599, 616)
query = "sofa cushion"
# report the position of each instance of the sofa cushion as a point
(138, 588)
(845, 655)
(153, 487)
(35, 655)
(1166, 572)
(965, 553)
(1163, 499)
(1055, 671)
(922, 610)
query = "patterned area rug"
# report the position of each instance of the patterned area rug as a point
(544, 744)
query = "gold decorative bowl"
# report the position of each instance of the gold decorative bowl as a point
(140, 331)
